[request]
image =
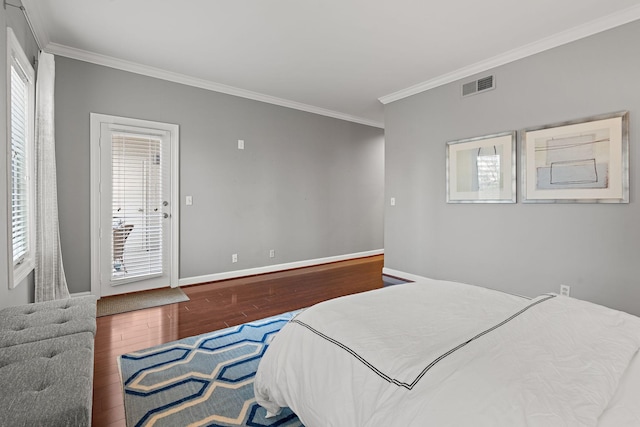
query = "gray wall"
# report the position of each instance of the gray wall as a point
(11, 17)
(306, 185)
(523, 248)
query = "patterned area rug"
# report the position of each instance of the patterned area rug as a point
(206, 380)
(139, 300)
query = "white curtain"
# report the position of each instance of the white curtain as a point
(50, 281)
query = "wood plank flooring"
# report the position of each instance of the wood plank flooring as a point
(216, 306)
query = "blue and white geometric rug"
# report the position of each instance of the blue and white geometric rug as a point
(206, 380)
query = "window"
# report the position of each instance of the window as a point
(20, 165)
(136, 182)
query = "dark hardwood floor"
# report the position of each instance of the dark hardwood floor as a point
(215, 306)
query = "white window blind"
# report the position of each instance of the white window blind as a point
(20, 209)
(136, 205)
(20, 163)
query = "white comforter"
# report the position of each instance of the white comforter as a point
(447, 354)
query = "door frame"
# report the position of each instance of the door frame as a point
(96, 120)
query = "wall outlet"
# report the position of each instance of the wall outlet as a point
(241, 144)
(565, 290)
(272, 253)
(234, 258)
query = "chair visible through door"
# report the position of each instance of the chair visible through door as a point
(120, 235)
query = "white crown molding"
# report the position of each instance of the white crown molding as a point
(37, 23)
(133, 67)
(585, 30)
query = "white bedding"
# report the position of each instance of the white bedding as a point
(447, 354)
(624, 408)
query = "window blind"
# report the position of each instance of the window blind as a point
(136, 206)
(20, 209)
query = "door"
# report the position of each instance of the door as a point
(136, 205)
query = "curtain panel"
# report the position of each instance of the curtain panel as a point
(50, 280)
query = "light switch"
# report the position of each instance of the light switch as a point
(189, 200)
(241, 144)
(393, 201)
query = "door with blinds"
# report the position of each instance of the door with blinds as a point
(137, 206)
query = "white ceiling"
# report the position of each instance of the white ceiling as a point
(341, 58)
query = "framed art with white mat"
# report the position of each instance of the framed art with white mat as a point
(482, 169)
(580, 161)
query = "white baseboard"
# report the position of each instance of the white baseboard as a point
(273, 268)
(416, 278)
(402, 274)
(79, 294)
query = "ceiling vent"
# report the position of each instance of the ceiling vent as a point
(477, 86)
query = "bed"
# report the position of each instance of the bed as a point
(448, 354)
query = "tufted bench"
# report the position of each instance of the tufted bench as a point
(46, 363)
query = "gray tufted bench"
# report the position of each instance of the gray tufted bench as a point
(46, 363)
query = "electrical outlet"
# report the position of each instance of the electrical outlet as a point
(565, 290)
(272, 253)
(234, 258)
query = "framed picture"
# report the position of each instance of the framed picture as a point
(581, 161)
(482, 169)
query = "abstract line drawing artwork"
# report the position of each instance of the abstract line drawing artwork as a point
(579, 161)
(488, 173)
(573, 161)
(479, 171)
(482, 169)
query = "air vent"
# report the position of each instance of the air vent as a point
(480, 85)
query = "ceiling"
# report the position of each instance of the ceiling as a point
(340, 58)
